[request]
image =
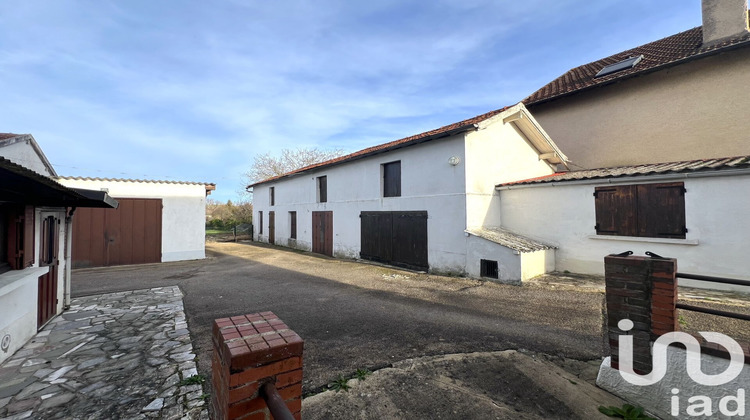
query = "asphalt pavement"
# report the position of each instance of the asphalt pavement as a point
(354, 315)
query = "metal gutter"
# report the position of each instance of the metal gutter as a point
(626, 179)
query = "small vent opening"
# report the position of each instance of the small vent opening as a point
(488, 268)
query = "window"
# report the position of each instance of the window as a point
(293, 224)
(48, 248)
(260, 223)
(628, 63)
(488, 268)
(17, 235)
(271, 194)
(392, 179)
(322, 182)
(645, 210)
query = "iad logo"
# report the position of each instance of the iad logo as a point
(701, 404)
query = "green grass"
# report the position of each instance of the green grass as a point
(340, 384)
(193, 380)
(217, 232)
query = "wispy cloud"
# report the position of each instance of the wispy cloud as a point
(194, 90)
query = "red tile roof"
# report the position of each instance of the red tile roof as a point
(668, 51)
(444, 131)
(702, 165)
(5, 136)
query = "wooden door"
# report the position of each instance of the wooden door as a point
(410, 239)
(130, 234)
(48, 257)
(322, 232)
(398, 238)
(271, 227)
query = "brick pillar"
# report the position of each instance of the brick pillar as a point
(643, 290)
(250, 351)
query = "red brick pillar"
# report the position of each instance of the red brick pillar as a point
(250, 351)
(643, 290)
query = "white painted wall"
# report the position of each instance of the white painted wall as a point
(22, 153)
(183, 214)
(564, 215)
(428, 183)
(496, 153)
(454, 197)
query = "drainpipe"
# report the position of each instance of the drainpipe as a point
(68, 258)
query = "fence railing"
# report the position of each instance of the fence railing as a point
(711, 279)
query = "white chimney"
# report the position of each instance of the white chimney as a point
(723, 19)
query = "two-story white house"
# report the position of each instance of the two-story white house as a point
(425, 202)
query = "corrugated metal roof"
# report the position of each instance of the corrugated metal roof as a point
(509, 239)
(701, 165)
(152, 181)
(668, 51)
(407, 141)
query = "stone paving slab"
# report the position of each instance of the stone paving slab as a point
(124, 355)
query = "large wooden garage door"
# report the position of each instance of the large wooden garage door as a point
(130, 234)
(398, 238)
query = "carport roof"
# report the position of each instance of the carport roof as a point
(209, 186)
(20, 185)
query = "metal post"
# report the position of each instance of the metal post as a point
(275, 403)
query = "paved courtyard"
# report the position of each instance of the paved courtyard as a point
(111, 356)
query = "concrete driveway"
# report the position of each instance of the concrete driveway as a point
(354, 315)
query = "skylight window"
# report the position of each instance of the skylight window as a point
(620, 66)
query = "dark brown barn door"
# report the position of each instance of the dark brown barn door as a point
(130, 234)
(398, 238)
(48, 257)
(322, 232)
(271, 227)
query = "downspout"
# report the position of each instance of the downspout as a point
(67, 283)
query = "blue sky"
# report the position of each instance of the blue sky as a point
(192, 90)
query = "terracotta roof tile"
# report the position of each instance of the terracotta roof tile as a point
(701, 165)
(5, 136)
(397, 144)
(668, 51)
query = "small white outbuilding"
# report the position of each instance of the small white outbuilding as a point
(157, 221)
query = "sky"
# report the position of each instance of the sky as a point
(193, 90)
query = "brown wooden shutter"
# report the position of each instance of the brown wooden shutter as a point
(392, 179)
(616, 210)
(21, 237)
(661, 210)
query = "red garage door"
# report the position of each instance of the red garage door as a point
(130, 234)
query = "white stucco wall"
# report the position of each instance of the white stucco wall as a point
(496, 153)
(183, 214)
(564, 215)
(22, 153)
(455, 197)
(428, 183)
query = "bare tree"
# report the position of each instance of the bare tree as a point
(267, 165)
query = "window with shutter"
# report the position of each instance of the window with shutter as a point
(260, 223)
(20, 248)
(392, 179)
(272, 195)
(644, 210)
